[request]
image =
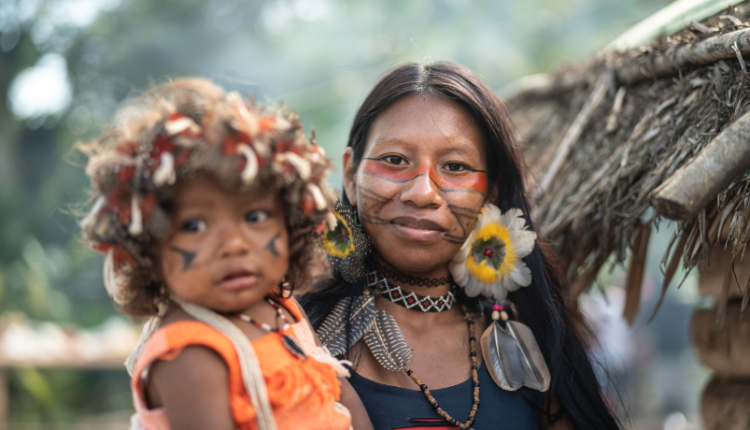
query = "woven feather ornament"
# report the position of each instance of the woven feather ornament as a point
(387, 343)
(513, 357)
(346, 244)
(333, 331)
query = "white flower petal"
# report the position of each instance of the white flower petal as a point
(522, 274)
(458, 270)
(461, 255)
(523, 242)
(493, 211)
(472, 288)
(500, 293)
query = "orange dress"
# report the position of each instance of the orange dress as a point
(302, 393)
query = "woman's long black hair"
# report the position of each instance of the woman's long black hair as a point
(541, 305)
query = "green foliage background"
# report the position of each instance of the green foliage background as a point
(318, 56)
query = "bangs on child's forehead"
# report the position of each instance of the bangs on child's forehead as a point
(174, 134)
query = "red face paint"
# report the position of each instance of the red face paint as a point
(475, 181)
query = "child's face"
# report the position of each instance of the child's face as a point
(229, 248)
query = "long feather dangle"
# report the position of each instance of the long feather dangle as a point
(387, 343)
(333, 331)
(512, 354)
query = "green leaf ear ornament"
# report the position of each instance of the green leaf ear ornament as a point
(347, 244)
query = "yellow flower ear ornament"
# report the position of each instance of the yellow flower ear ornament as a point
(489, 262)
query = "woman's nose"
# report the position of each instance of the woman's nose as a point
(422, 191)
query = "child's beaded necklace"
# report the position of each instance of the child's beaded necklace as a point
(289, 342)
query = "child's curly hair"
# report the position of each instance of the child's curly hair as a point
(175, 132)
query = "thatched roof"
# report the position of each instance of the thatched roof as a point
(625, 132)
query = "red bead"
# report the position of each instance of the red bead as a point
(497, 308)
(489, 253)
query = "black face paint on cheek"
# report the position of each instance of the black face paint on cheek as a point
(463, 216)
(187, 257)
(271, 245)
(370, 200)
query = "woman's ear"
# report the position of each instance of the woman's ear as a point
(350, 176)
(492, 194)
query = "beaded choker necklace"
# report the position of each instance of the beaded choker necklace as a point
(395, 275)
(409, 300)
(289, 342)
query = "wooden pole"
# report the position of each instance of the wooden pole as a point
(696, 183)
(711, 50)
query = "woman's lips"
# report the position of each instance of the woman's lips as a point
(417, 228)
(238, 280)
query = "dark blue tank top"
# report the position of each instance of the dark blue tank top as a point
(393, 408)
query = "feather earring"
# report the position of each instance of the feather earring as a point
(387, 343)
(513, 357)
(360, 315)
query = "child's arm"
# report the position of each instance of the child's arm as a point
(193, 389)
(349, 397)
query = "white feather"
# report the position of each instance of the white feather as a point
(179, 125)
(136, 222)
(458, 270)
(98, 205)
(522, 275)
(331, 221)
(97, 162)
(251, 168)
(320, 200)
(165, 173)
(110, 277)
(322, 355)
(523, 242)
(300, 164)
(248, 120)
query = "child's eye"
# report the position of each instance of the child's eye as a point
(455, 167)
(194, 226)
(256, 216)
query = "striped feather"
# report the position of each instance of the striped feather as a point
(500, 352)
(534, 367)
(333, 331)
(387, 343)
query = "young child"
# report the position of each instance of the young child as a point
(207, 210)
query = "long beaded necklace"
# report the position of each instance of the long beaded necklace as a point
(289, 342)
(474, 377)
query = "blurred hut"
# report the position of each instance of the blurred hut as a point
(655, 127)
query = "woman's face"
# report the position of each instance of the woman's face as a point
(421, 182)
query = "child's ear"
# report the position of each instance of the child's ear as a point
(350, 176)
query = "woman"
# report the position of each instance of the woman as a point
(431, 149)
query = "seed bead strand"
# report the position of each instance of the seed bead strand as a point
(474, 377)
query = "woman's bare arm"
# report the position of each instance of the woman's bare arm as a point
(193, 389)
